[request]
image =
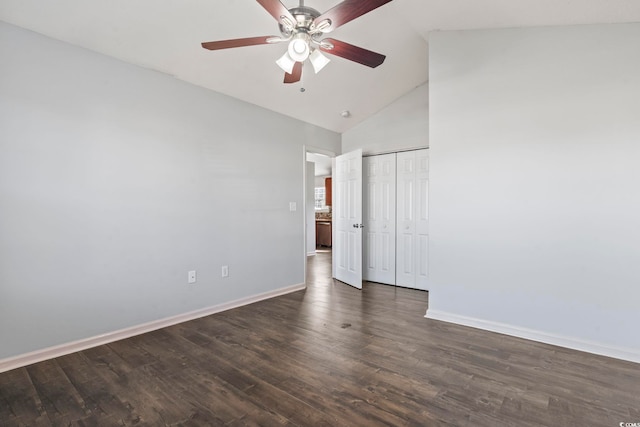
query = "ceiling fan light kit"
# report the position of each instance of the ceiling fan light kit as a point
(286, 63)
(303, 27)
(299, 47)
(318, 60)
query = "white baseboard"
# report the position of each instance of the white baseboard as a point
(83, 344)
(311, 253)
(628, 354)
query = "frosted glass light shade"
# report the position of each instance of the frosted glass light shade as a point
(318, 60)
(299, 48)
(286, 63)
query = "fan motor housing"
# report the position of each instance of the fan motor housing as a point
(304, 18)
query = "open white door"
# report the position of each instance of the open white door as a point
(347, 219)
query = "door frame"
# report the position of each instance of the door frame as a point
(315, 150)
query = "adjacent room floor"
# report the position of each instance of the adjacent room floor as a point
(329, 355)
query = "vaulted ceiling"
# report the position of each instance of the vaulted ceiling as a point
(165, 35)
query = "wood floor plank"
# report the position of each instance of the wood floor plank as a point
(327, 355)
(98, 395)
(60, 399)
(20, 404)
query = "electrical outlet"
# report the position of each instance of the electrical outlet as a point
(192, 276)
(225, 271)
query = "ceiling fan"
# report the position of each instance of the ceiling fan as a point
(303, 27)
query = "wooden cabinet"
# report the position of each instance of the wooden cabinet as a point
(327, 191)
(323, 233)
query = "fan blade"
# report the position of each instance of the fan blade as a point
(249, 41)
(352, 53)
(296, 75)
(277, 10)
(347, 11)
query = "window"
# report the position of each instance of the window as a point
(319, 198)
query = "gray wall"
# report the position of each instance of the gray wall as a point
(116, 180)
(402, 125)
(534, 201)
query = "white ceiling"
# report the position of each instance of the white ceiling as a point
(165, 35)
(323, 163)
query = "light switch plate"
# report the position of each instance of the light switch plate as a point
(192, 276)
(292, 206)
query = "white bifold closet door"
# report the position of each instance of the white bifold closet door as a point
(412, 219)
(379, 203)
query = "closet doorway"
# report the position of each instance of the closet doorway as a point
(395, 219)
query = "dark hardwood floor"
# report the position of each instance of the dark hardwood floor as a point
(329, 355)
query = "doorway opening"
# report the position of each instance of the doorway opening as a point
(318, 205)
